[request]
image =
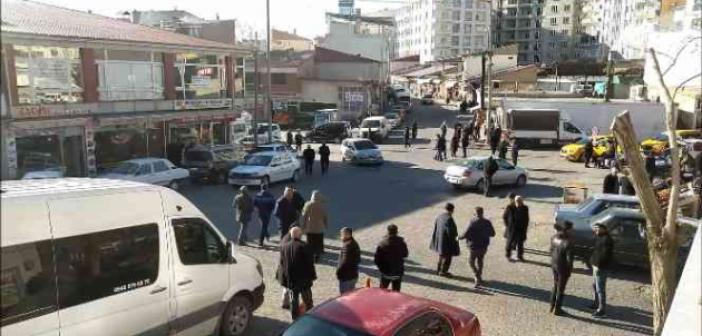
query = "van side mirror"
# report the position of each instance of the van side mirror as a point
(230, 259)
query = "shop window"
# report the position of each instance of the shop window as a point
(48, 75)
(28, 282)
(113, 146)
(106, 263)
(200, 76)
(129, 75)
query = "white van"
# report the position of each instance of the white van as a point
(110, 257)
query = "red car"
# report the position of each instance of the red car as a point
(380, 312)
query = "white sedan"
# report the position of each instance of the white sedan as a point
(469, 173)
(149, 170)
(263, 168)
(360, 151)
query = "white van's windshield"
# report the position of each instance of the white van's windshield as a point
(370, 124)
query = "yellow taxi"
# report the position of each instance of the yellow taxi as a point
(659, 143)
(575, 151)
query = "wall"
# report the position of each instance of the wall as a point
(520, 80)
(472, 64)
(321, 91)
(348, 71)
(342, 38)
(296, 45)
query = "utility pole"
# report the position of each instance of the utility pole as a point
(490, 117)
(482, 80)
(608, 87)
(269, 101)
(256, 84)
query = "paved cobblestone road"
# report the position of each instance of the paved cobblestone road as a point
(409, 191)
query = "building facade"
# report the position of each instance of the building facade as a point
(83, 98)
(627, 24)
(282, 40)
(437, 29)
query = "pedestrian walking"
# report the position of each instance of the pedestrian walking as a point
(521, 226)
(243, 205)
(502, 149)
(650, 165)
(408, 142)
(324, 153)
(349, 259)
(561, 265)
(414, 130)
(465, 141)
(490, 167)
(454, 145)
(443, 129)
(457, 131)
(493, 139)
(289, 138)
(464, 107)
(440, 148)
(515, 151)
(285, 211)
(296, 272)
(298, 142)
(308, 158)
(443, 240)
(314, 221)
(390, 257)
(601, 261)
(508, 218)
(264, 202)
(477, 236)
(298, 202)
(470, 129)
(589, 151)
(625, 186)
(610, 184)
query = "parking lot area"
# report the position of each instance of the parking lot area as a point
(409, 191)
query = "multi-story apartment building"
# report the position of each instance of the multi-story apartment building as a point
(87, 91)
(438, 29)
(519, 21)
(627, 24)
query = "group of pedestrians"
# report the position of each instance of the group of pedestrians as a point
(296, 138)
(614, 183)
(410, 134)
(459, 141)
(308, 156)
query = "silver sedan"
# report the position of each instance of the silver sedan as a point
(469, 173)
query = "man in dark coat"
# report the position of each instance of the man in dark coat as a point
(508, 218)
(349, 259)
(521, 225)
(561, 265)
(285, 211)
(414, 130)
(601, 260)
(308, 157)
(515, 151)
(477, 237)
(464, 107)
(489, 169)
(454, 145)
(298, 201)
(443, 240)
(625, 186)
(289, 138)
(390, 257)
(589, 151)
(324, 153)
(610, 185)
(407, 135)
(650, 165)
(495, 134)
(298, 142)
(296, 272)
(440, 148)
(502, 149)
(243, 206)
(465, 141)
(264, 202)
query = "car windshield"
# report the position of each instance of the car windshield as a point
(258, 160)
(311, 325)
(126, 168)
(361, 145)
(470, 163)
(196, 155)
(370, 123)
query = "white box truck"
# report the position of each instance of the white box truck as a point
(539, 127)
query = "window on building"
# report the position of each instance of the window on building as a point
(129, 75)
(456, 16)
(279, 79)
(566, 20)
(199, 76)
(552, 32)
(456, 28)
(28, 287)
(566, 8)
(552, 45)
(554, 9)
(511, 11)
(512, 2)
(479, 17)
(197, 243)
(48, 75)
(106, 263)
(454, 40)
(554, 21)
(564, 44)
(565, 32)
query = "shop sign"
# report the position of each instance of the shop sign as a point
(195, 104)
(200, 82)
(44, 111)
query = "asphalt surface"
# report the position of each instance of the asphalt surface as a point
(409, 191)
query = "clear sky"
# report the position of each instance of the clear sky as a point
(307, 16)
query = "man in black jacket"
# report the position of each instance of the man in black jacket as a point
(508, 220)
(390, 258)
(298, 142)
(477, 236)
(589, 151)
(285, 211)
(521, 225)
(561, 265)
(298, 201)
(610, 185)
(601, 261)
(308, 157)
(465, 141)
(324, 157)
(296, 272)
(625, 186)
(494, 136)
(440, 148)
(443, 240)
(489, 169)
(349, 258)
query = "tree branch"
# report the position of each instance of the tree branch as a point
(657, 69)
(677, 54)
(675, 92)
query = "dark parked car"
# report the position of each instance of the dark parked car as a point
(334, 131)
(212, 163)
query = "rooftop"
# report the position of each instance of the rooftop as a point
(322, 55)
(34, 18)
(280, 35)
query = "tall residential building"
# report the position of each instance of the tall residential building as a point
(628, 24)
(436, 29)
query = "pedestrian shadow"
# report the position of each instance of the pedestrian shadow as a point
(266, 326)
(619, 317)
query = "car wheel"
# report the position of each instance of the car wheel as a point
(266, 180)
(175, 185)
(521, 181)
(481, 186)
(295, 175)
(236, 317)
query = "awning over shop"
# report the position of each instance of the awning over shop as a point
(182, 116)
(430, 71)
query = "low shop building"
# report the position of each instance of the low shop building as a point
(85, 91)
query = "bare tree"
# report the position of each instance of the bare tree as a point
(661, 228)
